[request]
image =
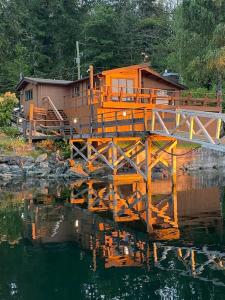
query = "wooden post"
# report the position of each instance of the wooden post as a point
(148, 149)
(116, 119)
(114, 156)
(91, 74)
(145, 120)
(218, 129)
(132, 126)
(71, 150)
(24, 128)
(174, 165)
(191, 127)
(103, 126)
(174, 184)
(31, 118)
(89, 155)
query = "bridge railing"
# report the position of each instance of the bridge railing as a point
(199, 127)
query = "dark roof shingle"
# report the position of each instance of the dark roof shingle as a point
(41, 80)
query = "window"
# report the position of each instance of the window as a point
(126, 86)
(76, 91)
(28, 95)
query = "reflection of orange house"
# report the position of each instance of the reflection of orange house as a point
(128, 87)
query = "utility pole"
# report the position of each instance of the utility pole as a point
(78, 59)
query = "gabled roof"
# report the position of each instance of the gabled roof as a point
(25, 80)
(150, 71)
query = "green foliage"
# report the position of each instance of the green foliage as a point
(52, 146)
(64, 148)
(197, 48)
(10, 131)
(38, 38)
(7, 103)
(11, 224)
(189, 38)
(8, 144)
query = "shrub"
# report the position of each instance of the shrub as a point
(10, 131)
(46, 145)
(7, 102)
(12, 144)
(53, 146)
(64, 148)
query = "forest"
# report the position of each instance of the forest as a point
(38, 38)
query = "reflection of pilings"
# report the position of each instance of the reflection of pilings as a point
(132, 201)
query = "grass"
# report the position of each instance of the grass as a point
(16, 146)
(180, 145)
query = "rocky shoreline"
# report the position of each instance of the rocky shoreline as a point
(52, 167)
(44, 166)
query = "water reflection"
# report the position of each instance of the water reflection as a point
(123, 225)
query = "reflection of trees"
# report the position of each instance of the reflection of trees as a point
(11, 223)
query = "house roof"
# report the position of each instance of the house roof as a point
(142, 67)
(25, 80)
(150, 71)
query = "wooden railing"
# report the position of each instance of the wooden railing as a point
(140, 95)
(52, 106)
(47, 129)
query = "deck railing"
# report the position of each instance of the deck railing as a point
(140, 95)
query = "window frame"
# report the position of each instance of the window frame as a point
(125, 84)
(29, 95)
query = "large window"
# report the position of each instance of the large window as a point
(124, 86)
(29, 95)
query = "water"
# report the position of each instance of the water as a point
(99, 240)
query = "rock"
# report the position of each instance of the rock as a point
(4, 168)
(41, 158)
(16, 171)
(6, 176)
(61, 170)
(44, 165)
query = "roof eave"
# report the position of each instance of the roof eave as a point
(22, 81)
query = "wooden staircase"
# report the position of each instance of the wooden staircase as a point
(48, 119)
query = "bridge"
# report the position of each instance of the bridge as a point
(143, 138)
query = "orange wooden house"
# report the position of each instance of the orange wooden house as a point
(104, 96)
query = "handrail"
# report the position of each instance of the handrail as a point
(58, 115)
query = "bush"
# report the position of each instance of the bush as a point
(46, 145)
(10, 131)
(7, 102)
(64, 148)
(53, 146)
(12, 144)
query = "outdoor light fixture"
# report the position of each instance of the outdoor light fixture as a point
(75, 121)
(126, 250)
(77, 223)
(124, 113)
(20, 120)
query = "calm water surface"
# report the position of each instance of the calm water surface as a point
(99, 240)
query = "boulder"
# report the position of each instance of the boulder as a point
(41, 158)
